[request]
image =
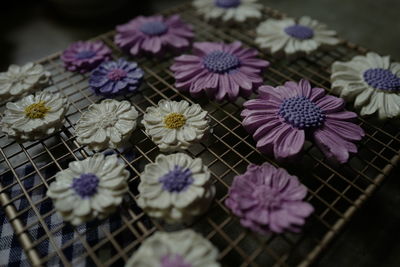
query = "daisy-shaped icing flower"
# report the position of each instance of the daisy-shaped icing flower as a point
(372, 82)
(222, 71)
(90, 188)
(34, 116)
(175, 188)
(113, 78)
(268, 199)
(282, 117)
(228, 10)
(108, 124)
(85, 56)
(20, 80)
(184, 248)
(154, 35)
(290, 37)
(174, 126)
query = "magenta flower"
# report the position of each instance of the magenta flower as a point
(222, 71)
(154, 35)
(268, 199)
(282, 117)
(85, 56)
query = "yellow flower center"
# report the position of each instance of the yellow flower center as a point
(174, 120)
(37, 110)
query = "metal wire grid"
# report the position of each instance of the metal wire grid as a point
(335, 192)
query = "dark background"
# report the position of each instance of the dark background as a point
(30, 30)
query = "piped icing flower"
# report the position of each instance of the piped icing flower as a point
(176, 188)
(267, 199)
(108, 124)
(228, 10)
(282, 117)
(174, 126)
(372, 82)
(113, 78)
(34, 116)
(222, 71)
(184, 248)
(291, 37)
(85, 56)
(154, 35)
(90, 188)
(21, 80)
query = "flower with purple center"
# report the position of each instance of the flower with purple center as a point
(113, 78)
(176, 188)
(221, 71)
(89, 189)
(372, 82)
(85, 56)
(282, 117)
(267, 199)
(154, 35)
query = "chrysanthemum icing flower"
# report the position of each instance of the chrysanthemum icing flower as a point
(228, 10)
(175, 188)
(268, 199)
(174, 126)
(154, 35)
(184, 248)
(90, 188)
(113, 78)
(34, 116)
(372, 82)
(282, 117)
(85, 56)
(20, 80)
(294, 37)
(108, 124)
(222, 71)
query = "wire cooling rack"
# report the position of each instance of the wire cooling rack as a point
(335, 192)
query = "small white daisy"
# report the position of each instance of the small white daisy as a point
(90, 188)
(20, 80)
(34, 116)
(291, 37)
(184, 248)
(174, 126)
(228, 10)
(175, 188)
(372, 82)
(108, 124)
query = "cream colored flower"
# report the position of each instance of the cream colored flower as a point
(175, 188)
(108, 124)
(184, 248)
(90, 188)
(174, 126)
(18, 81)
(34, 116)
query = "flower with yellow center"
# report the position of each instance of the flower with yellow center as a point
(174, 126)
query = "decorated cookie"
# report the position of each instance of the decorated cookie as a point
(176, 188)
(282, 117)
(221, 71)
(267, 199)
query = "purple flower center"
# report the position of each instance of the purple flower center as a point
(177, 180)
(301, 112)
(116, 74)
(174, 260)
(153, 28)
(268, 198)
(86, 185)
(300, 32)
(227, 3)
(382, 79)
(221, 62)
(86, 54)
